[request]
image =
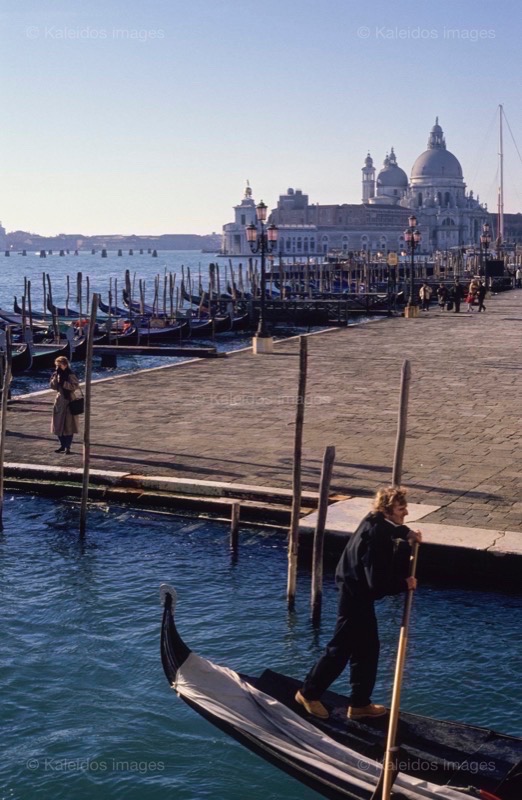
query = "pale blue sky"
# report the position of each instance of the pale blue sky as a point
(148, 118)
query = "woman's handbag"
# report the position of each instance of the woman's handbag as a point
(77, 404)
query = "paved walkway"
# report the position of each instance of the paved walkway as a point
(233, 419)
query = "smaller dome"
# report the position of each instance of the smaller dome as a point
(391, 175)
(368, 161)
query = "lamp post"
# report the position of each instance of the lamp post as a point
(485, 241)
(412, 237)
(263, 241)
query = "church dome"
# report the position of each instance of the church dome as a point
(391, 175)
(436, 162)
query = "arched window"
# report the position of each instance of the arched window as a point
(419, 199)
(447, 198)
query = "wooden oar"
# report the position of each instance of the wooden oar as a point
(389, 770)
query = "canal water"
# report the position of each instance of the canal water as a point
(86, 710)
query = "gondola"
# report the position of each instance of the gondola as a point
(115, 311)
(141, 309)
(21, 358)
(44, 355)
(15, 319)
(339, 758)
(168, 333)
(68, 313)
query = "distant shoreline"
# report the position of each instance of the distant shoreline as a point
(23, 240)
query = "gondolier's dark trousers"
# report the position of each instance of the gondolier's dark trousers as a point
(355, 640)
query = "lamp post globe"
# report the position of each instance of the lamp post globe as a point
(262, 239)
(412, 237)
(485, 241)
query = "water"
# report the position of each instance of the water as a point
(86, 709)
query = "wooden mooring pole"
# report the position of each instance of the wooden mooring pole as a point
(234, 528)
(87, 418)
(3, 417)
(318, 546)
(402, 424)
(293, 535)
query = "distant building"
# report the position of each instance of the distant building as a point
(447, 215)
(3, 238)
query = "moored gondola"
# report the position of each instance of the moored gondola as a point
(339, 758)
(114, 311)
(44, 355)
(21, 358)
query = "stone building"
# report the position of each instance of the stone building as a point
(447, 215)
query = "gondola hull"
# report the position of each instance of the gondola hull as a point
(339, 758)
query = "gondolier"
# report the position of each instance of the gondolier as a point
(374, 564)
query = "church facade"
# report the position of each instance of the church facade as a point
(447, 215)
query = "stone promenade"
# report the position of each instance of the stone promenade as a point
(233, 419)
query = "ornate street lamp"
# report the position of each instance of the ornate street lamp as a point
(262, 240)
(412, 237)
(485, 241)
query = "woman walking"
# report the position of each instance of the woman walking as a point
(64, 425)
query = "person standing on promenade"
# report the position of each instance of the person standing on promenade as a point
(481, 294)
(442, 296)
(457, 295)
(375, 563)
(518, 278)
(425, 296)
(64, 425)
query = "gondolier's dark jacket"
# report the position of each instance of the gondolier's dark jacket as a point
(375, 562)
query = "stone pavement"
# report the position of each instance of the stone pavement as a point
(233, 419)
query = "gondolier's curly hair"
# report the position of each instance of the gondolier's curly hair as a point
(387, 497)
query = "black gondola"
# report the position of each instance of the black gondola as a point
(115, 311)
(44, 355)
(340, 758)
(21, 358)
(58, 311)
(168, 333)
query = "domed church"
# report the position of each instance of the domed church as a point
(437, 194)
(447, 215)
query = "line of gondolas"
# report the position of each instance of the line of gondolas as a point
(314, 292)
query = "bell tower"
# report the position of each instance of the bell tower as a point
(368, 179)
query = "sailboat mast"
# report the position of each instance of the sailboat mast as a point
(501, 187)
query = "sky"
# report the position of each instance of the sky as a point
(149, 118)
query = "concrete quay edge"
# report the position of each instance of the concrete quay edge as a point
(496, 542)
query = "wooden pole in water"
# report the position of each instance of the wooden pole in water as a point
(109, 316)
(293, 535)
(67, 296)
(3, 418)
(234, 527)
(87, 417)
(318, 546)
(44, 296)
(79, 292)
(29, 305)
(402, 424)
